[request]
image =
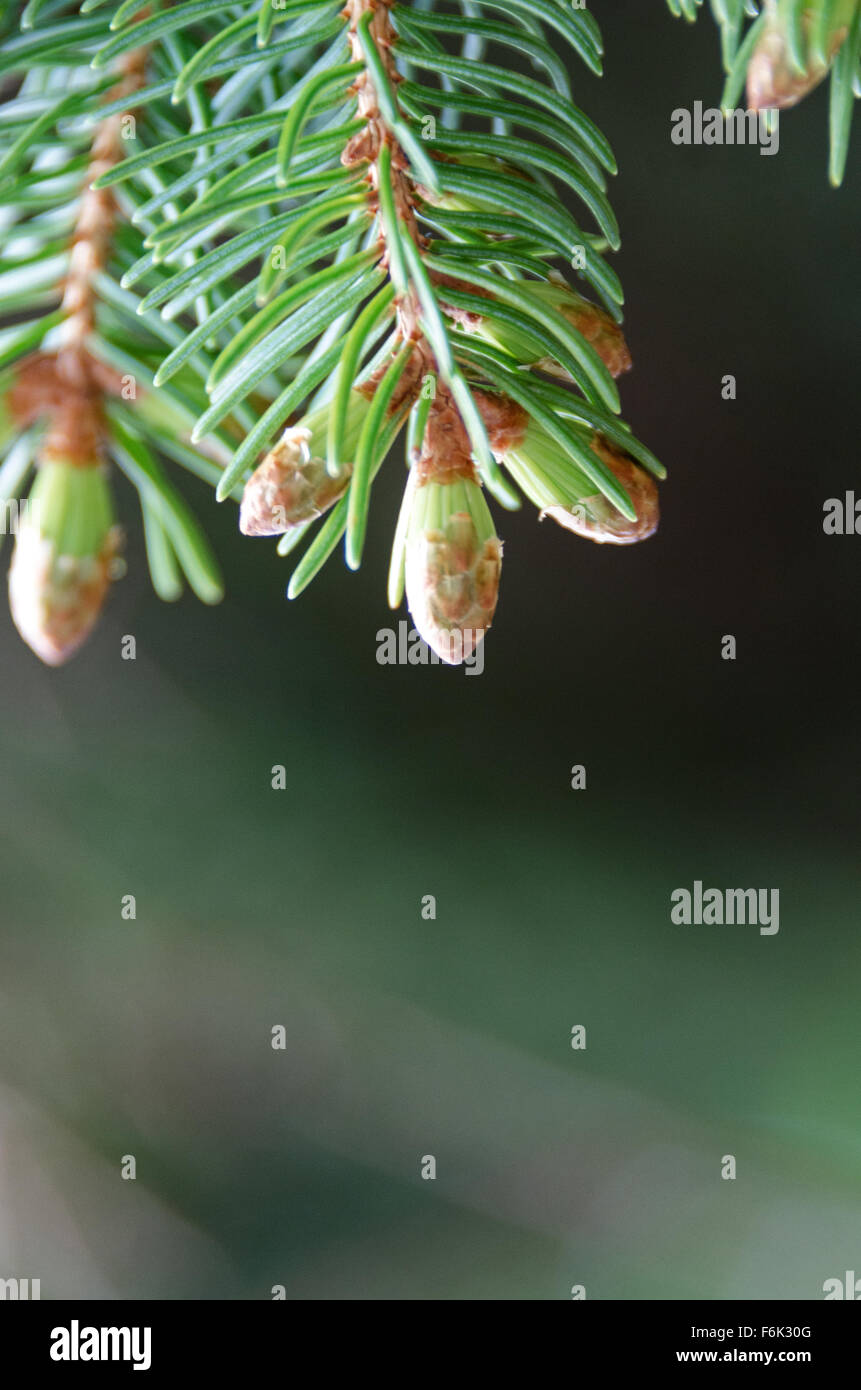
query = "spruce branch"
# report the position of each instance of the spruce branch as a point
(66, 556)
(339, 224)
(75, 376)
(788, 48)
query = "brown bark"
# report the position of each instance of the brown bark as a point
(68, 386)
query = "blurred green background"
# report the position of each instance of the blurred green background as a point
(302, 907)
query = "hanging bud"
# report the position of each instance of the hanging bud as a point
(292, 485)
(452, 566)
(593, 323)
(539, 467)
(558, 486)
(597, 519)
(66, 554)
(773, 79)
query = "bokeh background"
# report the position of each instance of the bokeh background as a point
(301, 907)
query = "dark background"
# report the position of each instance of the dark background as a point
(302, 907)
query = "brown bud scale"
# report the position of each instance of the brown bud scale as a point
(289, 488)
(597, 519)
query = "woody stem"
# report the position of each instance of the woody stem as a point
(95, 222)
(69, 388)
(375, 137)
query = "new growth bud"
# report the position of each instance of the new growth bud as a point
(292, 485)
(597, 519)
(593, 323)
(773, 79)
(452, 566)
(65, 557)
(559, 487)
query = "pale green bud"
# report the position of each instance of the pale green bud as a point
(555, 484)
(453, 561)
(597, 519)
(65, 557)
(773, 80)
(592, 322)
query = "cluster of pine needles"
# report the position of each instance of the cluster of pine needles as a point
(261, 241)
